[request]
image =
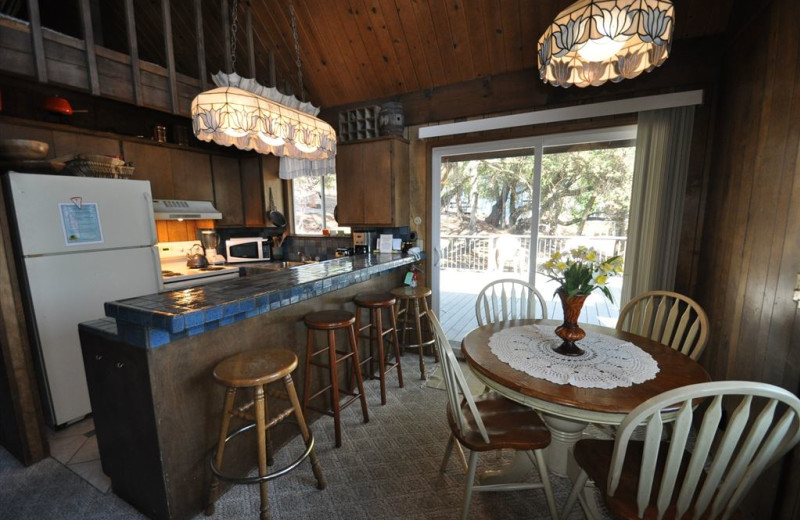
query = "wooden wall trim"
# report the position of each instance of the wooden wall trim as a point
(166, 16)
(88, 44)
(30, 443)
(201, 45)
(37, 41)
(133, 47)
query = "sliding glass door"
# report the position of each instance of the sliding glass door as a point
(501, 208)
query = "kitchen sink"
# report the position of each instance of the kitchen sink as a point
(281, 264)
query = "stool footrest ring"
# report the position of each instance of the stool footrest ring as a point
(270, 476)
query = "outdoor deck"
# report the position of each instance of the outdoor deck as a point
(459, 290)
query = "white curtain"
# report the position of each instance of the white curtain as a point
(291, 168)
(659, 185)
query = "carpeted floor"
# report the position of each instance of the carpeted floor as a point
(386, 469)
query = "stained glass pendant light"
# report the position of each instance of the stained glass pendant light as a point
(233, 116)
(594, 41)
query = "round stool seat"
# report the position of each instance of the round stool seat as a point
(255, 367)
(375, 300)
(325, 320)
(409, 293)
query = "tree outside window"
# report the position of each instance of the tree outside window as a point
(314, 202)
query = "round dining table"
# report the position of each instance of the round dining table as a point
(568, 410)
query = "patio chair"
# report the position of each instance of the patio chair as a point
(489, 422)
(669, 318)
(656, 479)
(508, 299)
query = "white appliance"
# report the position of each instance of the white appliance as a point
(248, 249)
(83, 241)
(177, 274)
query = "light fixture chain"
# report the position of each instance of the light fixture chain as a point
(297, 49)
(234, 26)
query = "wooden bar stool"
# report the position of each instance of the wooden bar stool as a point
(409, 308)
(376, 303)
(331, 321)
(256, 369)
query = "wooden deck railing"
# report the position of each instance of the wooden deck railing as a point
(512, 252)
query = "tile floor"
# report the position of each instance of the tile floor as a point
(76, 447)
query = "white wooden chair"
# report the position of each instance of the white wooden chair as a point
(655, 479)
(489, 422)
(669, 318)
(509, 299)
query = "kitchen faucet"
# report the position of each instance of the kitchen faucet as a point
(303, 256)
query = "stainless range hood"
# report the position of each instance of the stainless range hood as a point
(165, 209)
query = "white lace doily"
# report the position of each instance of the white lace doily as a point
(607, 362)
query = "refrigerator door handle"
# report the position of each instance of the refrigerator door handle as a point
(149, 211)
(157, 263)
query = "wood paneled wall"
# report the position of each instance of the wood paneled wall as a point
(751, 252)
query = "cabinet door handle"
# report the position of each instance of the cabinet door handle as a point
(120, 364)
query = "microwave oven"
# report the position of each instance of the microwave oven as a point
(251, 249)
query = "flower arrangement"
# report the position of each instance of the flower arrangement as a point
(580, 271)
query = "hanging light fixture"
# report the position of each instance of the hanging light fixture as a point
(232, 116)
(594, 41)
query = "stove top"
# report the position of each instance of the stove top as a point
(176, 274)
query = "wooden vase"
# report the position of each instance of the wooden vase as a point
(569, 331)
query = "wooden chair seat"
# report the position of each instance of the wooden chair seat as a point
(510, 425)
(411, 293)
(375, 300)
(329, 320)
(254, 368)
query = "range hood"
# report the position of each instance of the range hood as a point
(165, 209)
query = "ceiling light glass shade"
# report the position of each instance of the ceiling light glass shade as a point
(231, 116)
(594, 41)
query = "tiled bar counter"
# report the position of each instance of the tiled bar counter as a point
(148, 364)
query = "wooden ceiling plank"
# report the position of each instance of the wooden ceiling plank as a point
(443, 38)
(360, 29)
(251, 50)
(428, 36)
(460, 35)
(392, 67)
(512, 37)
(271, 30)
(394, 27)
(349, 31)
(494, 36)
(225, 20)
(532, 21)
(474, 16)
(416, 45)
(200, 44)
(340, 73)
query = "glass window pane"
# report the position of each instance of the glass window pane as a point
(314, 204)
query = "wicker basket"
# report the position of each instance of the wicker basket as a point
(86, 168)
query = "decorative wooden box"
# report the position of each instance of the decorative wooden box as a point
(359, 123)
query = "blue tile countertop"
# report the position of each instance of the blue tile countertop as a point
(155, 320)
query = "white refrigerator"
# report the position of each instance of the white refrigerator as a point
(82, 241)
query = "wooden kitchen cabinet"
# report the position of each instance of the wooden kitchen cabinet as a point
(372, 182)
(228, 190)
(253, 193)
(152, 163)
(191, 175)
